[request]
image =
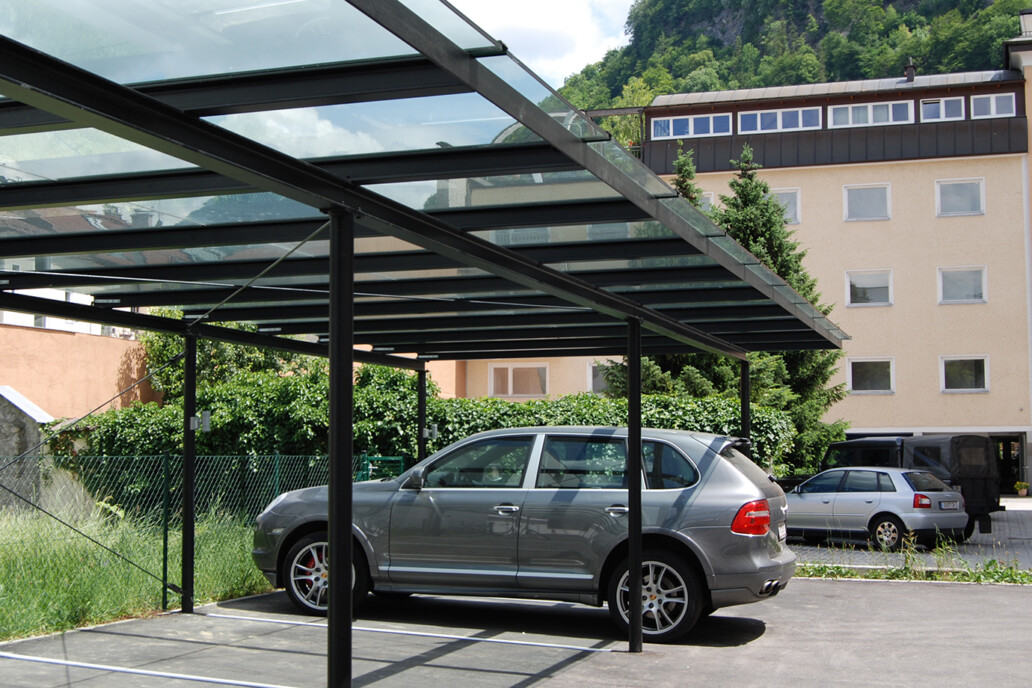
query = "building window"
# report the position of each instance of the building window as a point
(693, 126)
(962, 285)
(871, 376)
(964, 373)
(596, 381)
(789, 200)
(869, 202)
(518, 380)
(871, 114)
(959, 197)
(762, 121)
(706, 201)
(869, 288)
(1000, 105)
(942, 109)
(609, 232)
(523, 235)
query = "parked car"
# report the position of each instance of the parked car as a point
(881, 503)
(967, 463)
(542, 513)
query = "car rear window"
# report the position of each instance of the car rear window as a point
(924, 482)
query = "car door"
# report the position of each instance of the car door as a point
(811, 506)
(857, 500)
(460, 529)
(575, 513)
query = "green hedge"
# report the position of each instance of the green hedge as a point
(263, 413)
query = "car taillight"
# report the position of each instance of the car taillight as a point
(752, 519)
(922, 501)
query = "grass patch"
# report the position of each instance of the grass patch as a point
(948, 566)
(52, 579)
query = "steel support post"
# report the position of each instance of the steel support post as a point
(340, 613)
(189, 467)
(745, 391)
(421, 416)
(634, 550)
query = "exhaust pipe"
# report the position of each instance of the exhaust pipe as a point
(771, 587)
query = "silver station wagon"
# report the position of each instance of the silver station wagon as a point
(882, 503)
(542, 513)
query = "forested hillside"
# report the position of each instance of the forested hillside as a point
(683, 46)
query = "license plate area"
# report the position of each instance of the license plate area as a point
(782, 532)
(949, 506)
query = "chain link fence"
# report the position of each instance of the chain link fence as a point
(84, 539)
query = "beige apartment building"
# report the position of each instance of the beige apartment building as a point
(911, 197)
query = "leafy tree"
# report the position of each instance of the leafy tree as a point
(217, 362)
(753, 217)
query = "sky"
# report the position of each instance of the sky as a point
(554, 38)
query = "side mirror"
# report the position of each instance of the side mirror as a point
(414, 481)
(798, 489)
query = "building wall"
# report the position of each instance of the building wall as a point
(916, 330)
(68, 374)
(565, 376)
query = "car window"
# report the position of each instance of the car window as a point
(582, 462)
(860, 481)
(825, 482)
(925, 482)
(878, 456)
(666, 468)
(840, 457)
(493, 462)
(885, 483)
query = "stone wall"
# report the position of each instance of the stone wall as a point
(18, 433)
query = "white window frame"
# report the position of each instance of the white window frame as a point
(710, 198)
(869, 106)
(891, 360)
(781, 119)
(939, 183)
(691, 126)
(942, 101)
(971, 357)
(993, 100)
(964, 268)
(798, 200)
(491, 367)
(591, 377)
(879, 304)
(888, 202)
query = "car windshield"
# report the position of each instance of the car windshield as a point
(925, 482)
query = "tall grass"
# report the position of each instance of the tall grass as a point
(52, 579)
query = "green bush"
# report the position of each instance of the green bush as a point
(264, 413)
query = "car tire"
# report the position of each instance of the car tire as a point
(306, 573)
(671, 592)
(887, 532)
(813, 539)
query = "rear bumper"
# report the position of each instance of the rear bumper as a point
(745, 588)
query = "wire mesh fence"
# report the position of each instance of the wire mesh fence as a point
(85, 539)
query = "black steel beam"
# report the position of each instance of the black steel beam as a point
(138, 321)
(274, 89)
(374, 168)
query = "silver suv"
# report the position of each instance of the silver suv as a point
(542, 513)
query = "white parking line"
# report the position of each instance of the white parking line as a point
(138, 672)
(558, 646)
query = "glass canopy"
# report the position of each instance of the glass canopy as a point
(184, 154)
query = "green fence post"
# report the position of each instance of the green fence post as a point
(164, 531)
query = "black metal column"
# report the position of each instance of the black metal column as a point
(421, 416)
(189, 463)
(745, 391)
(634, 550)
(342, 249)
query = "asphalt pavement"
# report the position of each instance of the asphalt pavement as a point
(815, 633)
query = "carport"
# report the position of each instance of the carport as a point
(371, 173)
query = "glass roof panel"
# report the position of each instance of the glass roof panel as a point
(76, 153)
(692, 216)
(375, 127)
(451, 23)
(530, 86)
(496, 191)
(148, 40)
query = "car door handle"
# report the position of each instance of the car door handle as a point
(505, 509)
(616, 511)
(826, 501)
